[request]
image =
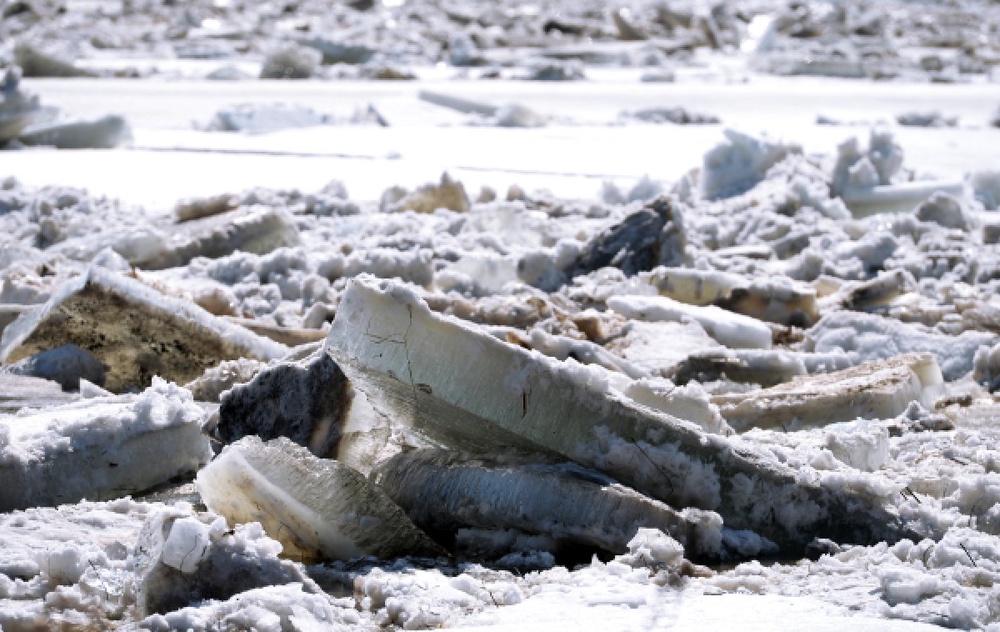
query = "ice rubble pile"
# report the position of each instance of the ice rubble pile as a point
(555, 40)
(751, 365)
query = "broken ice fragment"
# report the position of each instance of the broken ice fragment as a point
(766, 367)
(183, 558)
(652, 236)
(462, 388)
(134, 330)
(875, 390)
(258, 230)
(288, 61)
(774, 299)
(36, 63)
(739, 163)
(730, 329)
(100, 448)
(444, 491)
(309, 402)
(103, 133)
(317, 508)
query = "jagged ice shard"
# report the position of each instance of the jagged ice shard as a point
(463, 389)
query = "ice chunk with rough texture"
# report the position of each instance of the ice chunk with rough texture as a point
(766, 367)
(310, 402)
(317, 508)
(182, 558)
(462, 388)
(739, 163)
(281, 607)
(289, 61)
(100, 448)
(445, 491)
(730, 329)
(871, 337)
(136, 331)
(874, 390)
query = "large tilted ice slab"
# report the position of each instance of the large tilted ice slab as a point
(100, 448)
(729, 328)
(464, 389)
(317, 508)
(875, 390)
(136, 331)
(444, 491)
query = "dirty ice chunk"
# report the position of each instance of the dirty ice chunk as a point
(444, 491)
(134, 330)
(730, 329)
(317, 508)
(464, 389)
(100, 448)
(257, 118)
(872, 337)
(874, 390)
(310, 402)
(182, 558)
(775, 299)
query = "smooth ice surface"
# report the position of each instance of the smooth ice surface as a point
(317, 508)
(415, 368)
